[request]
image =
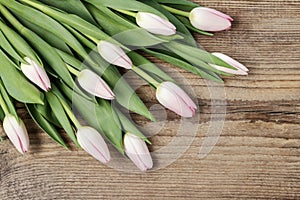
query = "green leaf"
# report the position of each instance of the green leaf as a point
(145, 64)
(40, 19)
(8, 48)
(128, 126)
(73, 7)
(70, 59)
(197, 56)
(50, 38)
(58, 111)
(16, 84)
(2, 115)
(8, 100)
(45, 50)
(184, 65)
(72, 20)
(81, 38)
(45, 125)
(19, 43)
(178, 2)
(45, 111)
(131, 5)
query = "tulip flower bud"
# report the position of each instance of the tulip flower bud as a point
(155, 24)
(174, 98)
(94, 84)
(93, 143)
(114, 54)
(208, 19)
(16, 132)
(36, 74)
(137, 150)
(240, 69)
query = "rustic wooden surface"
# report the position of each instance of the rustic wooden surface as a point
(257, 155)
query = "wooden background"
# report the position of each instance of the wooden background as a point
(257, 155)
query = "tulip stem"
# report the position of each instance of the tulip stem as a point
(3, 105)
(176, 11)
(70, 114)
(96, 41)
(72, 70)
(145, 76)
(126, 12)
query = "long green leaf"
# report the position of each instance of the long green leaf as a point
(128, 126)
(131, 5)
(196, 55)
(43, 48)
(60, 114)
(45, 125)
(71, 20)
(44, 21)
(2, 115)
(50, 38)
(8, 48)
(18, 42)
(179, 2)
(150, 67)
(8, 100)
(184, 65)
(73, 7)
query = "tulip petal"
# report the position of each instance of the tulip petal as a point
(170, 97)
(36, 74)
(93, 143)
(94, 84)
(114, 54)
(137, 150)
(231, 61)
(17, 133)
(209, 19)
(155, 24)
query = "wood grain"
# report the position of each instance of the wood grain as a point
(257, 155)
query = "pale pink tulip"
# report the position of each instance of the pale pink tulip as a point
(174, 98)
(137, 150)
(155, 24)
(114, 54)
(36, 74)
(93, 143)
(240, 68)
(208, 19)
(94, 84)
(16, 132)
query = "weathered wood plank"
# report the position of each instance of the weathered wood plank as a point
(256, 156)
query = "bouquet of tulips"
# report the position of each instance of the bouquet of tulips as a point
(56, 56)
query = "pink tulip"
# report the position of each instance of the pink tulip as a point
(36, 74)
(114, 54)
(174, 98)
(240, 68)
(93, 143)
(16, 132)
(155, 24)
(136, 149)
(94, 84)
(208, 19)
